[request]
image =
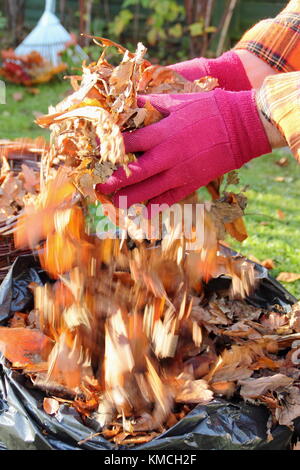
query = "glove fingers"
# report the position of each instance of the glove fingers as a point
(145, 190)
(144, 139)
(148, 165)
(170, 197)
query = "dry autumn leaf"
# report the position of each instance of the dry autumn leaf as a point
(280, 179)
(283, 161)
(288, 277)
(22, 346)
(51, 406)
(268, 263)
(253, 388)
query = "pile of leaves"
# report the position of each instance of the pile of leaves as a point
(30, 69)
(128, 333)
(138, 371)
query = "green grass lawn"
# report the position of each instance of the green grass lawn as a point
(17, 117)
(269, 235)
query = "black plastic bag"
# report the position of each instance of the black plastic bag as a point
(222, 424)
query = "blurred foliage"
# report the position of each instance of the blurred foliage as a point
(3, 22)
(163, 25)
(158, 23)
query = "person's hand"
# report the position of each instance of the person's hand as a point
(229, 69)
(203, 136)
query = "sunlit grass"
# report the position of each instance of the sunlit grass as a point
(269, 235)
(17, 117)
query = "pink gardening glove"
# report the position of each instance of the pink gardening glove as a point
(203, 136)
(227, 68)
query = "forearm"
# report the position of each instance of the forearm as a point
(255, 69)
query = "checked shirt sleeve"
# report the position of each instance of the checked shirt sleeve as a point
(276, 41)
(279, 101)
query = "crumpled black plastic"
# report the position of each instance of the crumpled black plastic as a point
(220, 425)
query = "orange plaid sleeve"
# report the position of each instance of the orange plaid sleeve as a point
(276, 40)
(279, 101)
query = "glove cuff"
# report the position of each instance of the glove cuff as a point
(230, 71)
(248, 137)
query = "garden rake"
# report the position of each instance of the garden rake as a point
(48, 37)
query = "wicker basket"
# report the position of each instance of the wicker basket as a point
(17, 152)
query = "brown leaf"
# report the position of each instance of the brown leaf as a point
(253, 388)
(237, 229)
(229, 214)
(295, 317)
(268, 263)
(283, 161)
(235, 363)
(23, 346)
(153, 115)
(207, 83)
(273, 321)
(109, 433)
(288, 277)
(280, 179)
(32, 178)
(226, 389)
(137, 439)
(233, 177)
(51, 406)
(265, 363)
(33, 91)
(19, 320)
